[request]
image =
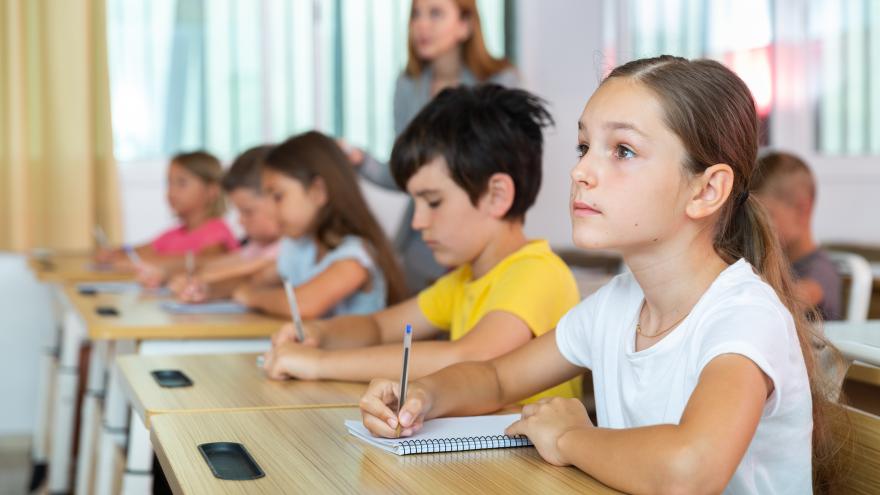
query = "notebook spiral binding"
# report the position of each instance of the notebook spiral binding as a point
(428, 446)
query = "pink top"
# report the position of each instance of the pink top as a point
(254, 250)
(211, 233)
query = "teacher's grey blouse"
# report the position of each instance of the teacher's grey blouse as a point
(410, 95)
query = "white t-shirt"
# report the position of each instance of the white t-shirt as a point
(738, 314)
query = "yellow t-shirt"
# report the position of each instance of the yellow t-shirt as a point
(532, 283)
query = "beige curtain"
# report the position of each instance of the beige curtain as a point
(57, 173)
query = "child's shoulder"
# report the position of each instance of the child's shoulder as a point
(738, 286)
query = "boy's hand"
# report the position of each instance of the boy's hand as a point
(379, 403)
(287, 333)
(546, 421)
(292, 360)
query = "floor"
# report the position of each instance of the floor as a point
(15, 465)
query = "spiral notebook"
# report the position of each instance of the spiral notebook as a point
(448, 435)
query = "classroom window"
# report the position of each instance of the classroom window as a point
(737, 33)
(844, 48)
(225, 75)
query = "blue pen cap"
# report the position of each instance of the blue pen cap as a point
(408, 329)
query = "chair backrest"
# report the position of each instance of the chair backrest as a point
(863, 473)
(861, 283)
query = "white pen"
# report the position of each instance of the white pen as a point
(294, 311)
(132, 255)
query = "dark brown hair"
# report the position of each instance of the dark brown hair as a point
(712, 112)
(206, 167)
(476, 56)
(244, 173)
(479, 131)
(311, 155)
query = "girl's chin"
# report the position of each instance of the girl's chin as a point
(587, 241)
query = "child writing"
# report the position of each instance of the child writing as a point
(701, 356)
(787, 190)
(334, 252)
(471, 160)
(196, 199)
(259, 220)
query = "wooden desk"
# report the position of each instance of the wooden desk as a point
(310, 451)
(857, 341)
(141, 317)
(72, 267)
(223, 382)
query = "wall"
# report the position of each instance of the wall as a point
(26, 320)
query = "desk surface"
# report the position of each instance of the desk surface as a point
(65, 267)
(223, 382)
(310, 451)
(141, 317)
(857, 341)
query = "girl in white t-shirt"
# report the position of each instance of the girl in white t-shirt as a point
(703, 377)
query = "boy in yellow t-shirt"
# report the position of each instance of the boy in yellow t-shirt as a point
(471, 159)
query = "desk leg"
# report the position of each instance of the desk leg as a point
(89, 417)
(45, 389)
(138, 479)
(67, 382)
(114, 429)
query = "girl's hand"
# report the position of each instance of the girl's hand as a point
(244, 295)
(379, 403)
(150, 276)
(177, 284)
(292, 360)
(546, 421)
(287, 333)
(355, 155)
(195, 291)
(104, 255)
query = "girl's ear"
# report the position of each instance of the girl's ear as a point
(318, 191)
(466, 27)
(499, 195)
(709, 191)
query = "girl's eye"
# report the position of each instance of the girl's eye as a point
(434, 204)
(623, 152)
(436, 14)
(582, 150)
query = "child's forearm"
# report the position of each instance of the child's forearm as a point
(466, 389)
(223, 289)
(384, 361)
(346, 332)
(232, 269)
(272, 301)
(641, 460)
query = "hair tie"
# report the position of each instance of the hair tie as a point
(742, 198)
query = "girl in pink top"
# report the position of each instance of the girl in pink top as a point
(196, 198)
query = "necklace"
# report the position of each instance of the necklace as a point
(639, 325)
